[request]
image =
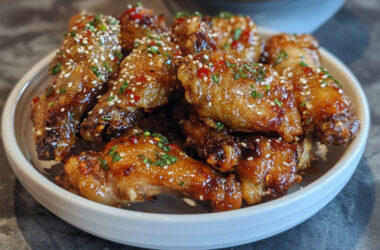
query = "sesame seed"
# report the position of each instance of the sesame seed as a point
(250, 158)
(101, 111)
(62, 109)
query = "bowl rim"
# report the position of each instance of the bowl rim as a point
(25, 168)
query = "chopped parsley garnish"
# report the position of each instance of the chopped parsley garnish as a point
(51, 104)
(267, 87)
(230, 65)
(109, 70)
(107, 119)
(115, 155)
(198, 14)
(227, 46)
(153, 49)
(181, 183)
(283, 55)
(254, 93)
(278, 102)
(103, 163)
(225, 14)
(62, 91)
(303, 64)
(95, 70)
(97, 19)
(161, 138)
(55, 70)
(303, 103)
(122, 88)
(216, 78)
(237, 34)
(48, 91)
(111, 98)
(219, 126)
(324, 83)
(183, 14)
(119, 54)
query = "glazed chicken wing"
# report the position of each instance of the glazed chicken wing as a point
(146, 78)
(237, 34)
(87, 57)
(326, 111)
(244, 97)
(135, 168)
(137, 22)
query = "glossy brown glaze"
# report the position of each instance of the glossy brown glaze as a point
(244, 97)
(237, 34)
(325, 109)
(193, 35)
(137, 22)
(142, 169)
(87, 57)
(146, 79)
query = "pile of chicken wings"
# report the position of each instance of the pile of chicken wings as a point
(247, 112)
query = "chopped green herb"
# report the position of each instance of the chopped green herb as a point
(95, 70)
(303, 103)
(278, 102)
(55, 70)
(103, 27)
(303, 64)
(236, 76)
(183, 14)
(219, 126)
(122, 88)
(146, 133)
(113, 21)
(97, 19)
(166, 148)
(308, 121)
(51, 104)
(161, 138)
(230, 65)
(138, 4)
(62, 91)
(119, 54)
(107, 119)
(267, 87)
(324, 83)
(329, 76)
(111, 98)
(181, 183)
(48, 91)
(254, 93)
(109, 70)
(237, 34)
(73, 34)
(283, 55)
(225, 14)
(72, 116)
(103, 163)
(216, 78)
(153, 49)
(227, 46)
(115, 155)
(136, 44)
(160, 144)
(197, 14)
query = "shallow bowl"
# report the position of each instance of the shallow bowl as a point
(162, 230)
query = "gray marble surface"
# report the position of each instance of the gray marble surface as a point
(31, 29)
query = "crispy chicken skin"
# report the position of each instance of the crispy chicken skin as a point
(135, 168)
(265, 167)
(326, 111)
(237, 34)
(86, 59)
(193, 35)
(137, 22)
(244, 97)
(146, 78)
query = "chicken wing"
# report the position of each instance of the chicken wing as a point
(192, 34)
(146, 78)
(237, 34)
(88, 56)
(138, 167)
(326, 111)
(244, 97)
(137, 22)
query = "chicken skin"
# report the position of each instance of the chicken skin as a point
(244, 97)
(88, 56)
(237, 34)
(326, 111)
(137, 22)
(146, 78)
(138, 167)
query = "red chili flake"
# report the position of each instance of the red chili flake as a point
(134, 14)
(246, 34)
(180, 19)
(308, 70)
(141, 78)
(137, 98)
(177, 53)
(35, 99)
(133, 139)
(234, 44)
(203, 72)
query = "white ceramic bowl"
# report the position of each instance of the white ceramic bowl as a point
(155, 230)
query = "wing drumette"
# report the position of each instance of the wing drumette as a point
(135, 168)
(237, 34)
(146, 78)
(244, 97)
(326, 111)
(87, 57)
(137, 22)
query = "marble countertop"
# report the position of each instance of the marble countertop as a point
(31, 29)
